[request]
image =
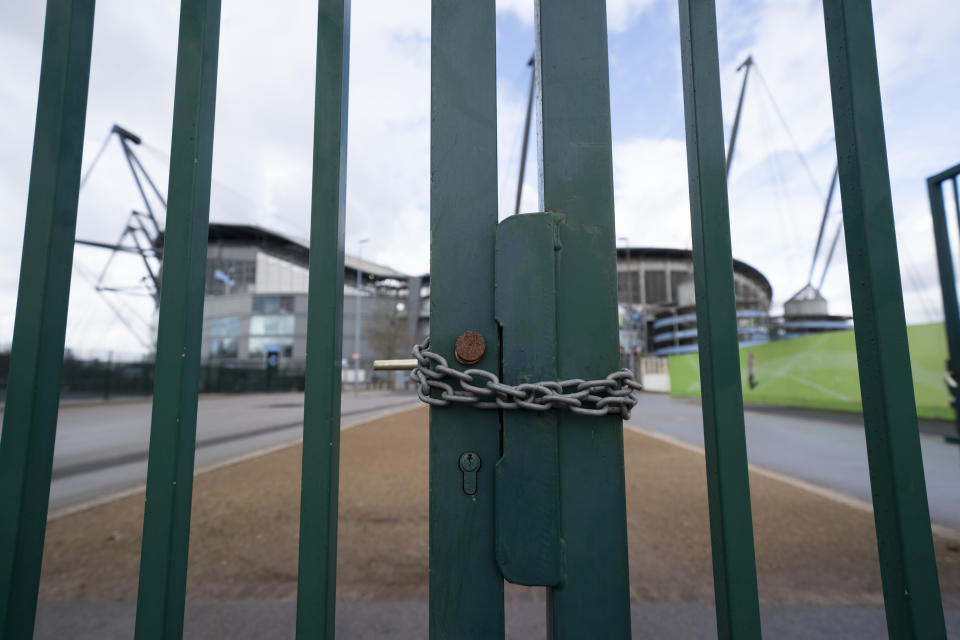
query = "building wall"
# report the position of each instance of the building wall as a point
(660, 290)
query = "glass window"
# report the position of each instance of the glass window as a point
(259, 346)
(229, 326)
(676, 279)
(271, 325)
(628, 286)
(272, 304)
(655, 286)
(224, 348)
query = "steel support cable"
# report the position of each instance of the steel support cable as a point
(116, 312)
(783, 121)
(163, 155)
(777, 179)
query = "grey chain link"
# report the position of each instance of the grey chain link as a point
(615, 394)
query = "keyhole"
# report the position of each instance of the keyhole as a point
(469, 465)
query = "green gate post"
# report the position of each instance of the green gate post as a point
(166, 519)
(948, 283)
(466, 588)
(573, 104)
(728, 482)
(317, 575)
(907, 562)
(36, 356)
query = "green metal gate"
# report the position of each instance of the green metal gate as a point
(948, 281)
(534, 496)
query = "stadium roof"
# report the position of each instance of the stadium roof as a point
(660, 253)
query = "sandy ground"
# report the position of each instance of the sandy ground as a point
(810, 549)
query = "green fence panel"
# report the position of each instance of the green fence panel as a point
(30, 414)
(573, 102)
(728, 488)
(166, 520)
(316, 579)
(466, 588)
(908, 566)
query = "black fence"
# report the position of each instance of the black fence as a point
(105, 379)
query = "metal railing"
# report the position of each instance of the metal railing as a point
(569, 468)
(948, 282)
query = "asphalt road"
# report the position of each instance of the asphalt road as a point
(822, 448)
(101, 448)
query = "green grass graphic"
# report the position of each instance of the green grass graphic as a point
(820, 371)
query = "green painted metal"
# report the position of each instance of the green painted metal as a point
(466, 588)
(948, 283)
(316, 589)
(728, 485)
(907, 561)
(36, 358)
(573, 103)
(529, 549)
(166, 521)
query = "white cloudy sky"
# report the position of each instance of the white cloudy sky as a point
(264, 121)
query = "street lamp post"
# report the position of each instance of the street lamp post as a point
(356, 320)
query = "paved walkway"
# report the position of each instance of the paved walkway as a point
(408, 620)
(101, 448)
(819, 447)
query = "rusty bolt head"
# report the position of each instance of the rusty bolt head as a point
(470, 347)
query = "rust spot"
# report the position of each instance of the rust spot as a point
(470, 347)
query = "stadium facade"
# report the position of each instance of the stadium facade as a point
(658, 304)
(256, 302)
(255, 306)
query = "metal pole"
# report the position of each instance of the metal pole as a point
(746, 64)
(526, 132)
(948, 284)
(908, 567)
(316, 578)
(466, 586)
(36, 355)
(728, 484)
(573, 103)
(823, 225)
(356, 320)
(173, 426)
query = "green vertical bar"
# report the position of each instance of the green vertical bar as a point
(166, 520)
(907, 563)
(728, 483)
(466, 588)
(573, 108)
(36, 358)
(317, 586)
(948, 283)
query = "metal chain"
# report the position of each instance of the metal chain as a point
(613, 395)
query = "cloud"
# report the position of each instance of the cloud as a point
(620, 13)
(263, 142)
